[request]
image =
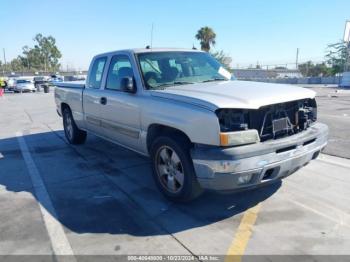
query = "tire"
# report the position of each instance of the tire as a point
(73, 134)
(167, 168)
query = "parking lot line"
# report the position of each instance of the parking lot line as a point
(242, 236)
(59, 241)
(341, 221)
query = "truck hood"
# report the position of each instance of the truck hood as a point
(234, 94)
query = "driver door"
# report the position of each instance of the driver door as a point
(120, 114)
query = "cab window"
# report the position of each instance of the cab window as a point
(119, 68)
(96, 73)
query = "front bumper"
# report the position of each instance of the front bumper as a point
(251, 165)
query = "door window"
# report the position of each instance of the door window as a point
(96, 73)
(119, 68)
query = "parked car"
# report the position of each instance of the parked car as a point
(40, 82)
(55, 79)
(24, 85)
(201, 129)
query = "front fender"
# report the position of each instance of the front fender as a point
(199, 124)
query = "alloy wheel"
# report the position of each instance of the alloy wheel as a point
(169, 169)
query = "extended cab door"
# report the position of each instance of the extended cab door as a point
(92, 97)
(120, 115)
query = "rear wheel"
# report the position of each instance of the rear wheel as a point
(173, 169)
(73, 134)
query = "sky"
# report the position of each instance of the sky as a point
(250, 31)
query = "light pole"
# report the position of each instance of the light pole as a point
(345, 79)
(347, 42)
(347, 58)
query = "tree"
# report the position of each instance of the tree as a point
(223, 58)
(16, 65)
(206, 36)
(304, 68)
(336, 57)
(310, 69)
(44, 55)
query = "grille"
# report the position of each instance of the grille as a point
(272, 121)
(284, 119)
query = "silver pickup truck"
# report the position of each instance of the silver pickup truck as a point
(201, 128)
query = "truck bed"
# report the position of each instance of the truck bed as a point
(71, 84)
(71, 93)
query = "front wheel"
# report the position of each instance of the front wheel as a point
(173, 169)
(73, 134)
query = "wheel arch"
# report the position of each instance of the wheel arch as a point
(157, 130)
(64, 106)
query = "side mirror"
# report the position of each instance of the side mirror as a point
(127, 84)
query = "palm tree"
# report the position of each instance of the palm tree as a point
(207, 37)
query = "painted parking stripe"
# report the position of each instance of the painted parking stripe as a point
(243, 234)
(343, 162)
(59, 241)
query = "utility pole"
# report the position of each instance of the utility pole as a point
(28, 64)
(297, 59)
(45, 63)
(3, 70)
(4, 58)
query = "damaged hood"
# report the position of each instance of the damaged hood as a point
(234, 94)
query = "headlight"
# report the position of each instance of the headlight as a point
(234, 128)
(232, 119)
(239, 138)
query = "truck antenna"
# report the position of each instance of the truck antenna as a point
(152, 36)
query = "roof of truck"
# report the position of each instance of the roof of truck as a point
(149, 50)
(146, 50)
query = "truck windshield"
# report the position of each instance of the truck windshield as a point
(164, 69)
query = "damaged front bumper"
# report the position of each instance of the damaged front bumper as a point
(238, 167)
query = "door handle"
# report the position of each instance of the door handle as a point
(103, 100)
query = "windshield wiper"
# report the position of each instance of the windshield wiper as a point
(182, 83)
(176, 83)
(214, 80)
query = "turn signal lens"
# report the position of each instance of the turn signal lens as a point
(239, 138)
(224, 139)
